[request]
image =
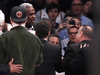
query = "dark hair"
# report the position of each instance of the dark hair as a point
(70, 15)
(52, 6)
(4, 28)
(87, 1)
(52, 26)
(42, 29)
(71, 28)
(87, 31)
(75, 18)
(53, 35)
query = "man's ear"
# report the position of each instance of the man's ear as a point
(81, 35)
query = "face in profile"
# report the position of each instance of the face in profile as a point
(88, 6)
(79, 34)
(30, 15)
(53, 13)
(72, 34)
(54, 40)
(50, 1)
(77, 7)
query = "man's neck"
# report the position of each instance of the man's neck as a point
(85, 39)
(14, 24)
(79, 16)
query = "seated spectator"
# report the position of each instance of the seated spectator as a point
(53, 10)
(77, 22)
(38, 4)
(77, 8)
(65, 22)
(42, 13)
(88, 7)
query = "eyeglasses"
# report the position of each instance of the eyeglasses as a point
(76, 4)
(72, 33)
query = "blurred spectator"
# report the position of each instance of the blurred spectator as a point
(72, 32)
(88, 7)
(63, 30)
(77, 22)
(2, 20)
(54, 39)
(53, 10)
(42, 13)
(51, 26)
(38, 4)
(77, 8)
(7, 27)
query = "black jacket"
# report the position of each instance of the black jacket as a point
(4, 69)
(51, 59)
(73, 59)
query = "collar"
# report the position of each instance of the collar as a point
(19, 28)
(30, 27)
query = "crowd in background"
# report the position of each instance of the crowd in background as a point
(63, 28)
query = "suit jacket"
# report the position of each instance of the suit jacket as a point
(24, 47)
(69, 63)
(4, 69)
(51, 59)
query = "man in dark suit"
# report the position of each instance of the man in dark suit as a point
(51, 53)
(83, 38)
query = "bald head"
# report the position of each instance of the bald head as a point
(84, 33)
(87, 31)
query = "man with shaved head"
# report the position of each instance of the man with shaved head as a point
(73, 63)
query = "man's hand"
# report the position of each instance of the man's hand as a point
(15, 68)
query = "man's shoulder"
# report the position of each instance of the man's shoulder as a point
(86, 18)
